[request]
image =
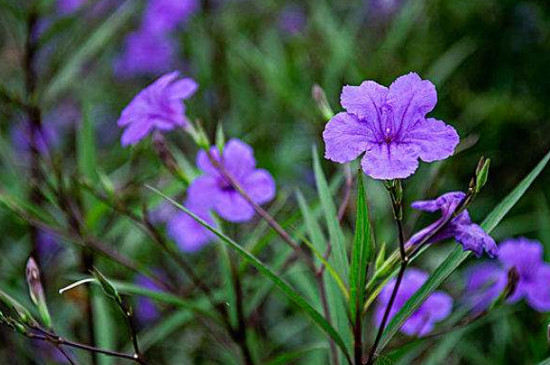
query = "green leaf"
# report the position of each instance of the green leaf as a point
(335, 231)
(457, 256)
(362, 251)
(101, 37)
(106, 285)
(289, 357)
(294, 296)
(104, 325)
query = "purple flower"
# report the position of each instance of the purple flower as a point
(534, 274)
(238, 161)
(390, 126)
(163, 16)
(145, 53)
(146, 309)
(484, 283)
(292, 19)
(46, 138)
(436, 308)
(69, 6)
(157, 107)
(471, 236)
(384, 8)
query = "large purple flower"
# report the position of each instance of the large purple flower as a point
(471, 236)
(436, 308)
(238, 161)
(157, 107)
(145, 53)
(162, 16)
(390, 126)
(484, 283)
(534, 274)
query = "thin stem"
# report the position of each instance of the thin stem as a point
(326, 312)
(397, 205)
(58, 341)
(240, 333)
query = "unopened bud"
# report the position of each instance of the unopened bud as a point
(106, 285)
(36, 291)
(482, 174)
(321, 100)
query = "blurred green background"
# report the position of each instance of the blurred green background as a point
(256, 66)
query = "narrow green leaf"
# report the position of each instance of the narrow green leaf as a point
(104, 325)
(336, 235)
(362, 251)
(289, 357)
(294, 296)
(457, 256)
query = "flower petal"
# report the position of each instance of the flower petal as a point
(135, 132)
(439, 305)
(238, 158)
(232, 207)
(410, 97)
(190, 235)
(202, 192)
(203, 161)
(260, 186)
(346, 137)
(183, 89)
(538, 293)
(389, 161)
(473, 238)
(364, 100)
(435, 139)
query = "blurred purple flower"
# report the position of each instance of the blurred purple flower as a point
(436, 308)
(50, 353)
(69, 6)
(390, 125)
(48, 245)
(238, 160)
(534, 274)
(146, 310)
(162, 16)
(157, 107)
(292, 19)
(384, 8)
(471, 236)
(484, 283)
(21, 137)
(145, 52)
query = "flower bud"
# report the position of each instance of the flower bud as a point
(321, 100)
(36, 291)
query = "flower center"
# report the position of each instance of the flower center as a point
(225, 185)
(387, 126)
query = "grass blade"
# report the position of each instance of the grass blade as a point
(362, 251)
(457, 256)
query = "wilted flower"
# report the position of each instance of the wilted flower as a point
(534, 274)
(390, 126)
(157, 107)
(436, 308)
(484, 283)
(471, 236)
(238, 161)
(162, 16)
(145, 53)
